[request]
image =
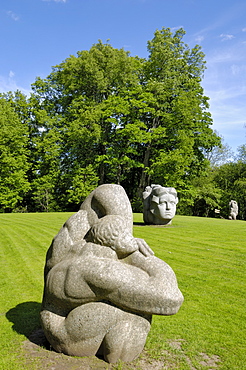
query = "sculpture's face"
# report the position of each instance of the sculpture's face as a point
(166, 208)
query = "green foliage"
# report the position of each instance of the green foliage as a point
(84, 181)
(208, 258)
(177, 119)
(207, 196)
(43, 190)
(13, 157)
(137, 204)
(115, 118)
(45, 169)
(134, 120)
(231, 179)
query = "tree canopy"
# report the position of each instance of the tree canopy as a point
(104, 116)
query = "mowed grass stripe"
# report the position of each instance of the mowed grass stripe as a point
(24, 241)
(20, 271)
(37, 224)
(181, 245)
(207, 255)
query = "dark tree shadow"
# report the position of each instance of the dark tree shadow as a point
(25, 319)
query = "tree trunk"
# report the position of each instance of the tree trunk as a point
(101, 170)
(143, 180)
(144, 177)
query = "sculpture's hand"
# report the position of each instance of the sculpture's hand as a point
(144, 248)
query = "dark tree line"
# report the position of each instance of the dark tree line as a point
(104, 116)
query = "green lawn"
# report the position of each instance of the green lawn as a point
(208, 257)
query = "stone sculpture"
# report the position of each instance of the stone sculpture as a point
(233, 209)
(102, 285)
(159, 205)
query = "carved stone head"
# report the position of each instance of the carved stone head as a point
(159, 204)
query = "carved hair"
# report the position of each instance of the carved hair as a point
(153, 192)
(106, 230)
(160, 190)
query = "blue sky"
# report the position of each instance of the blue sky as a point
(39, 34)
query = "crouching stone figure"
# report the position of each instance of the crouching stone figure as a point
(102, 285)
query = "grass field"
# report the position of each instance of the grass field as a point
(208, 257)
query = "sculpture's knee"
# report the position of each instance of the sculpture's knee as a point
(86, 327)
(126, 340)
(54, 329)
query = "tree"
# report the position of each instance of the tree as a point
(84, 181)
(220, 154)
(88, 94)
(241, 153)
(206, 196)
(44, 172)
(13, 158)
(133, 121)
(176, 115)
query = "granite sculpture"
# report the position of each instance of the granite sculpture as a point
(102, 285)
(233, 210)
(159, 205)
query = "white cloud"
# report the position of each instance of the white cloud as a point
(238, 69)
(12, 15)
(244, 29)
(226, 94)
(229, 121)
(227, 106)
(199, 38)
(221, 57)
(226, 54)
(226, 37)
(173, 29)
(225, 84)
(9, 84)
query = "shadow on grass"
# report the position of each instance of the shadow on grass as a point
(25, 319)
(138, 223)
(150, 225)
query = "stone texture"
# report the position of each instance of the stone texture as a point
(102, 285)
(159, 205)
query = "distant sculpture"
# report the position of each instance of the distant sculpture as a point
(159, 205)
(102, 285)
(233, 209)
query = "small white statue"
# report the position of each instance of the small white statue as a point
(233, 207)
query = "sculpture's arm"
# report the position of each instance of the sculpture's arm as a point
(149, 286)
